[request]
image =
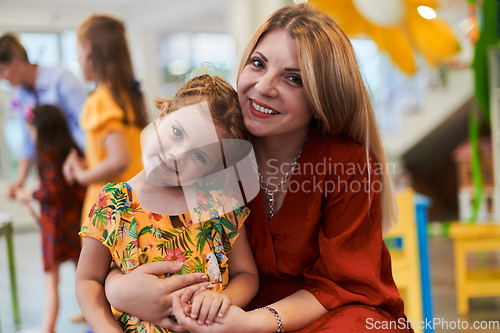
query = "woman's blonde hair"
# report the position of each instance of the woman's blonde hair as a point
(332, 82)
(110, 63)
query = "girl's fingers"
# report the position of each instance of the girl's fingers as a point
(212, 313)
(207, 303)
(187, 295)
(224, 307)
(196, 305)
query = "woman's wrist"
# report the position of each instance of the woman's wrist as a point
(262, 320)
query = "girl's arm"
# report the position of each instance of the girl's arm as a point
(117, 161)
(242, 287)
(93, 267)
(243, 274)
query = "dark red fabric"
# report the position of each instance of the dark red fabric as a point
(61, 208)
(327, 242)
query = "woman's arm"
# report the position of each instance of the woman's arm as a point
(117, 161)
(93, 266)
(149, 297)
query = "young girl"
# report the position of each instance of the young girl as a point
(61, 204)
(150, 217)
(114, 114)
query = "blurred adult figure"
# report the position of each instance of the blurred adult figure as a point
(38, 85)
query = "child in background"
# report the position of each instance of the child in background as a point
(149, 219)
(61, 204)
(114, 114)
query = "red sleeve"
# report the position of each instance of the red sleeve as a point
(52, 184)
(353, 265)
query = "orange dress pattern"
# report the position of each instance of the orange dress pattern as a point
(201, 237)
(101, 115)
(327, 239)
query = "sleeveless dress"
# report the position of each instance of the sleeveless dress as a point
(61, 206)
(201, 237)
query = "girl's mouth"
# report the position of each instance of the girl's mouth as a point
(164, 165)
(261, 111)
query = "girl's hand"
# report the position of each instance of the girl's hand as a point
(68, 168)
(207, 305)
(142, 294)
(235, 320)
(73, 165)
(23, 195)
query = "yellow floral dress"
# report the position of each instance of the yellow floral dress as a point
(201, 237)
(101, 115)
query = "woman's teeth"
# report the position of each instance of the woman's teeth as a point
(263, 109)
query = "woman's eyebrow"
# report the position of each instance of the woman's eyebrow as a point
(263, 56)
(292, 69)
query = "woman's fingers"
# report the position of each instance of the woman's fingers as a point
(160, 267)
(181, 281)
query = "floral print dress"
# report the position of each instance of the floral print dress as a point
(201, 237)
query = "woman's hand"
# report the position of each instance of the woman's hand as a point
(142, 294)
(235, 319)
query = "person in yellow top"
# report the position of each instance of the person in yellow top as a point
(114, 114)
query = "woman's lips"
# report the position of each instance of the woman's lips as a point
(260, 114)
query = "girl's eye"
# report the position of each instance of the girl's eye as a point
(177, 132)
(200, 158)
(295, 79)
(256, 62)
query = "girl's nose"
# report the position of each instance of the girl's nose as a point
(267, 84)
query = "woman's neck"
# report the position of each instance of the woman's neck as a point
(274, 151)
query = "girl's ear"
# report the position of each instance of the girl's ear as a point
(164, 109)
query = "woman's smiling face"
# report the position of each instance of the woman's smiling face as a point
(270, 89)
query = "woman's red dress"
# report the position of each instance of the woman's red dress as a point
(327, 239)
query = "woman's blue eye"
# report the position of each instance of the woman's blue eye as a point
(177, 132)
(200, 158)
(257, 62)
(296, 79)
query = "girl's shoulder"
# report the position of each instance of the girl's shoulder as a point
(99, 109)
(116, 191)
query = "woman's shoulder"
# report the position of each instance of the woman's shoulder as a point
(338, 148)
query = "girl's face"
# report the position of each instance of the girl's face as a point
(270, 90)
(83, 50)
(183, 148)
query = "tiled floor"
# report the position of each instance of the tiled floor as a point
(30, 281)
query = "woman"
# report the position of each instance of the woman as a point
(316, 230)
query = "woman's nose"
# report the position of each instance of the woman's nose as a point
(267, 85)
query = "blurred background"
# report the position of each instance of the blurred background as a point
(419, 62)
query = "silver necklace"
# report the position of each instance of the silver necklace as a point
(270, 193)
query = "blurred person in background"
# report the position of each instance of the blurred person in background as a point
(114, 114)
(61, 203)
(37, 85)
